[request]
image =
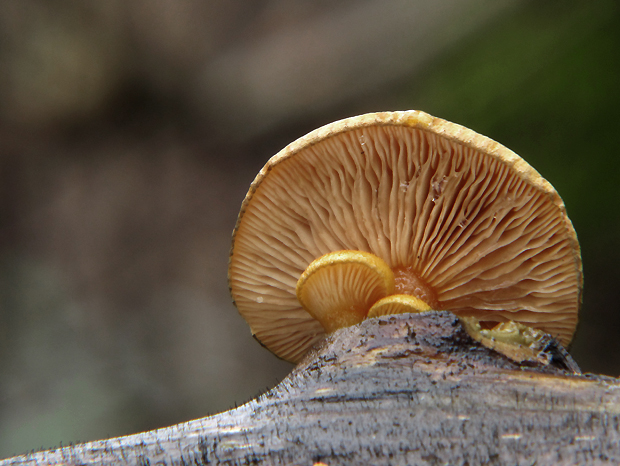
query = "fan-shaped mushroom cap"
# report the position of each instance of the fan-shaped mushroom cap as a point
(464, 223)
(397, 304)
(337, 289)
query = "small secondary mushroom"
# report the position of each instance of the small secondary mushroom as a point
(460, 222)
(338, 288)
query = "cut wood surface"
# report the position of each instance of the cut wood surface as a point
(406, 389)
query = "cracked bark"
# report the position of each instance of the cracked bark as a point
(406, 389)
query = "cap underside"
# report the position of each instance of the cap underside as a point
(471, 218)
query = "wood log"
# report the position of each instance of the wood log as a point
(403, 389)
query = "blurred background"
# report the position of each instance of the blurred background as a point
(131, 130)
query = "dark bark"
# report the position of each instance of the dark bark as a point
(409, 389)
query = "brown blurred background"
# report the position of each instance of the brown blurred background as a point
(131, 130)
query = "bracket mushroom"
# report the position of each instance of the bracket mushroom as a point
(462, 224)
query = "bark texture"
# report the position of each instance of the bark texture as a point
(408, 389)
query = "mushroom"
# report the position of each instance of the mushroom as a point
(400, 212)
(338, 288)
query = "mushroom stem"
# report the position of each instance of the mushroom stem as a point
(407, 281)
(339, 288)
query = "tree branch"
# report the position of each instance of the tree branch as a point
(406, 389)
